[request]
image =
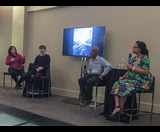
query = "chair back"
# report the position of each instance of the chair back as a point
(152, 86)
(48, 73)
(30, 66)
(47, 76)
(150, 90)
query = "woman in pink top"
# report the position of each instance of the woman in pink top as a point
(15, 62)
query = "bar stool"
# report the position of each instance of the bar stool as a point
(30, 88)
(94, 104)
(129, 112)
(11, 83)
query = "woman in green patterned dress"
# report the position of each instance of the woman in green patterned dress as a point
(137, 77)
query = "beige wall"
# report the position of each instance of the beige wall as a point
(13, 28)
(125, 25)
(18, 28)
(5, 35)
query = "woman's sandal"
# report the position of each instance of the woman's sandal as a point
(117, 112)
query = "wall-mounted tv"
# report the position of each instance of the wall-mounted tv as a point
(78, 41)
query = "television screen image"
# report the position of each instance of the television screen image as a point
(79, 41)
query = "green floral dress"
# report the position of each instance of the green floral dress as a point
(133, 81)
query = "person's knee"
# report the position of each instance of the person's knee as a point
(23, 75)
(79, 80)
(89, 82)
(13, 73)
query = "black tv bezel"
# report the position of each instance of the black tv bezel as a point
(95, 45)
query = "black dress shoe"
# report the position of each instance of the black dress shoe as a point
(82, 101)
(116, 113)
(18, 86)
(86, 102)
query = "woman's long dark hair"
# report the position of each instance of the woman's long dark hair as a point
(143, 47)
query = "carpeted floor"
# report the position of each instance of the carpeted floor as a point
(56, 109)
(73, 101)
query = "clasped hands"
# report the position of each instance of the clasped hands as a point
(39, 68)
(12, 59)
(85, 73)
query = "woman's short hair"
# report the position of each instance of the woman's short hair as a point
(10, 48)
(42, 47)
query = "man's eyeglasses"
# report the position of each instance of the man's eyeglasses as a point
(135, 47)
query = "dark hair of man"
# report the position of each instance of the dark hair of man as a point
(143, 48)
(10, 48)
(42, 47)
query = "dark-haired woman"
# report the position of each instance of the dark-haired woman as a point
(137, 77)
(15, 62)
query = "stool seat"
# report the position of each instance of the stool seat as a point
(44, 77)
(6, 73)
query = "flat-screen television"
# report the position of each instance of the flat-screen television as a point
(78, 41)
